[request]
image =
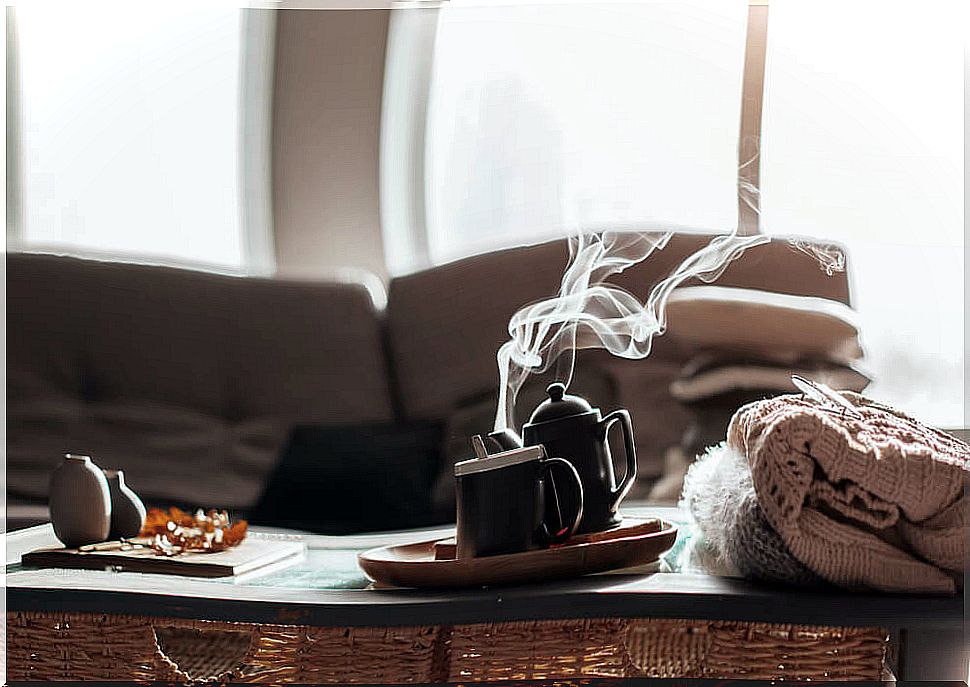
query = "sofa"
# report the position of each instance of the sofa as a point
(192, 382)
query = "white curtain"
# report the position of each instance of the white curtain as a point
(132, 120)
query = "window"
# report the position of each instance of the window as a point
(863, 144)
(130, 130)
(547, 117)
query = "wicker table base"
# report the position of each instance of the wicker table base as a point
(74, 646)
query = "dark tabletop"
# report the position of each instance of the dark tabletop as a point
(657, 595)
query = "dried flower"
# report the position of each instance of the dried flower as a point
(174, 531)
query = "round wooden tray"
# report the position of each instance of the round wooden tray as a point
(415, 565)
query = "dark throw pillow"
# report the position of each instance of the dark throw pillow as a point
(362, 478)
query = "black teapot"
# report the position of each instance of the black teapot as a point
(570, 428)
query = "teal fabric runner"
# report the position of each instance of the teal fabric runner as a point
(321, 569)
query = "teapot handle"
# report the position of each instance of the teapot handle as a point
(623, 417)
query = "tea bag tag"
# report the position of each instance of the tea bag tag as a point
(478, 444)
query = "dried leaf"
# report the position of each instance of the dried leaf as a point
(174, 531)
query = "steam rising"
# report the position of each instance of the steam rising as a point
(590, 312)
(830, 258)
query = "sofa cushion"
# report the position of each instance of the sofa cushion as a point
(168, 372)
(170, 455)
(339, 480)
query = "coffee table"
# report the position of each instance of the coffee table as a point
(586, 625)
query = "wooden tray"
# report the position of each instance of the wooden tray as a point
(415, 565)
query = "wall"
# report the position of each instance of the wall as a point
(326, 134)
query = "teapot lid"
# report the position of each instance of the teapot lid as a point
(559, 405)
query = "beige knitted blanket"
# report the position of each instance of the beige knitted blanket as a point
(876, 501)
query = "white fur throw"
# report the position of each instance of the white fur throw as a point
(719, 493)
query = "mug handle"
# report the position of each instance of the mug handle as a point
(576, 485)
(623, 417)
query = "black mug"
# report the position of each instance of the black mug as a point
(503, 503)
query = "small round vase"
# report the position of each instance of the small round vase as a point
(80, 502)
(127, 510)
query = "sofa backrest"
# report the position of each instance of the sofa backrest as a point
(170, 373)
(445, 325)
(191, 382)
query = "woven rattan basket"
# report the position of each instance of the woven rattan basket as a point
(74, 646)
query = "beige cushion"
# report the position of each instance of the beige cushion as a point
(762, 323)
(729, 378)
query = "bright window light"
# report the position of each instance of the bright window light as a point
(544, 118)
(863, 145)
(129, 131)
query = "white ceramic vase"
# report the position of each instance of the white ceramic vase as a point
(80, 502)
(127, 510)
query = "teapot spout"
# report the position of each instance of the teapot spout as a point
(502, 440)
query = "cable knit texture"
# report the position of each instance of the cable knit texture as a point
(877, 501)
